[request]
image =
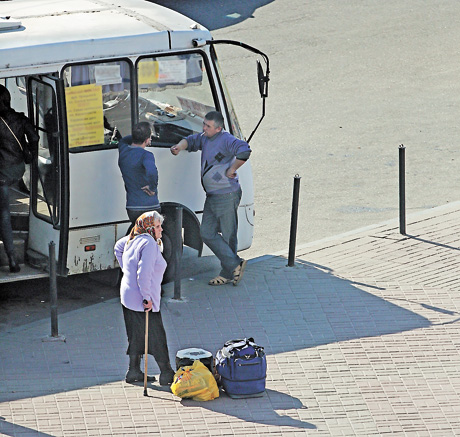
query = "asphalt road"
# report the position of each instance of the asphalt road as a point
(350, 82)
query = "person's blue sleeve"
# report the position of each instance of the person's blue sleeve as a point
(244, 156)
(128, 140)
(193, 142)
(151, 171)
(238, 148)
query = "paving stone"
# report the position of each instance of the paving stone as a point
(361, 339)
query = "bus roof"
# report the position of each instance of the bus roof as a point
(41, 33)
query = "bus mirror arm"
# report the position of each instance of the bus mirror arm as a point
(262, 77)
(197, 42)
(260, 121)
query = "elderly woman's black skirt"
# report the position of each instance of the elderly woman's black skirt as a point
(135, 329)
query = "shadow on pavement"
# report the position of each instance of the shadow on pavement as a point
(261, 410)
(10, 429)
(215, 14)
(335, 309)
(285, 309)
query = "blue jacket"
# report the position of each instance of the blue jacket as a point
(138, 170)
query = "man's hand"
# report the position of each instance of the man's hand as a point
(147, 190)
(181, 145)
(230, 173)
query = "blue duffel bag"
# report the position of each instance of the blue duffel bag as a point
(242, 367)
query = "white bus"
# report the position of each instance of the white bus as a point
(85, 72)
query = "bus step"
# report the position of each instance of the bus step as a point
(20, 221)
(37, 260)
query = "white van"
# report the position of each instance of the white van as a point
(85, 72)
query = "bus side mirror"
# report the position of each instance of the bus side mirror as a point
(262, 80)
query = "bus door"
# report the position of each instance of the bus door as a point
(48, 219)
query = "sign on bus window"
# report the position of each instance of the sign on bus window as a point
(85, 120)
(107, 74)
(98, 101)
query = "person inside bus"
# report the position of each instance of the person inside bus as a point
(139, 172)
(221, 156)
(17, 136)
(143, 266)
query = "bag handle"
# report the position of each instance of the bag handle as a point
(230, 345)
(15, 137)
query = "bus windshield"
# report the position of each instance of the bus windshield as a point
(174, 96)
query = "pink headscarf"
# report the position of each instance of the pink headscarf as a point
(145, 224)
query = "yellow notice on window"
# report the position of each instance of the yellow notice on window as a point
(85, 119)
(148, 72)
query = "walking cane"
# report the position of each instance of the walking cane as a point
(146, 349)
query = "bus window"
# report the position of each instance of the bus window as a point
(98, 103)
(174, 96)
(235, 128)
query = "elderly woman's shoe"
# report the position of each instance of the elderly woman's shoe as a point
(134, 373)
(167, 374)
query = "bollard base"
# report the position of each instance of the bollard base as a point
(290, 266)
(50, 338)
(178, 300)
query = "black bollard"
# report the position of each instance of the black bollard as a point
(177, 251)
(53, 290)
(402, 189)
(294, 215)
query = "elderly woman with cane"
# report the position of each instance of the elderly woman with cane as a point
(140, 258)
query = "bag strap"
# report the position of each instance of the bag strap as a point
(15, 137)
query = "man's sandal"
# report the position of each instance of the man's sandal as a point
(238, 272)
(219, 280)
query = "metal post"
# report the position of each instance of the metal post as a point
(53, 290)
(294, 215)
(177, 251)
(402, 189)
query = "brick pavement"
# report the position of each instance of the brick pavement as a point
(361, 336)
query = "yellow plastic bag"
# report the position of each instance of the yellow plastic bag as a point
(195, 382)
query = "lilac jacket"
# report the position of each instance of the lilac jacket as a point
(143, 266)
